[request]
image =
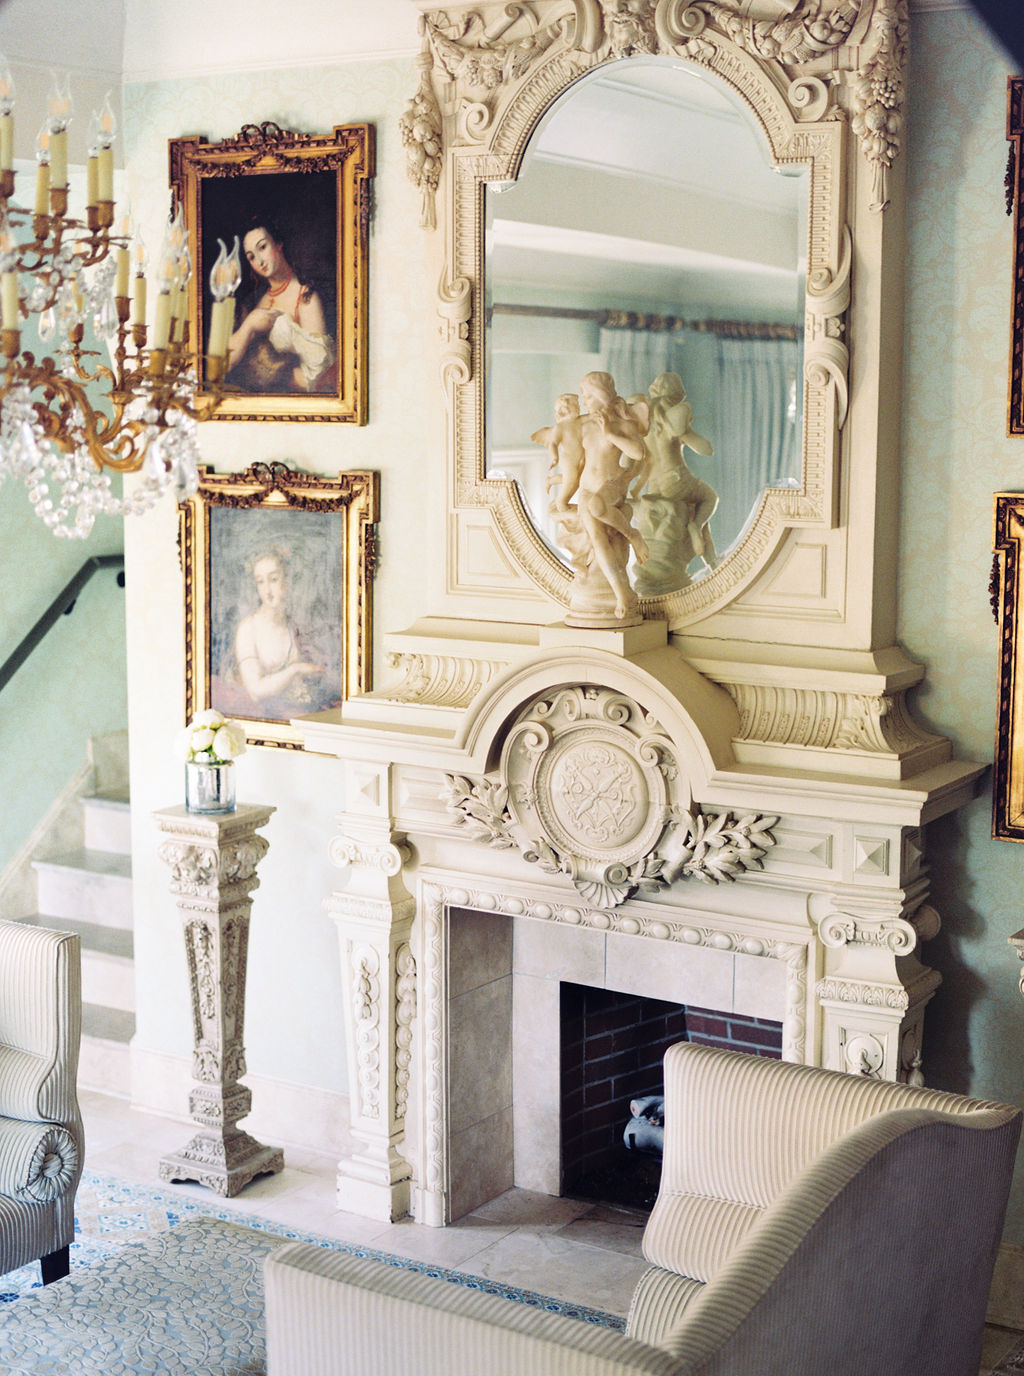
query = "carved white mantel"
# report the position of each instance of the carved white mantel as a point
(594, 791)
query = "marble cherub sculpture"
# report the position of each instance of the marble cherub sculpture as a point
(673, 507)
(596, 456)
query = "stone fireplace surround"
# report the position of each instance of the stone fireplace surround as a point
(470, 894)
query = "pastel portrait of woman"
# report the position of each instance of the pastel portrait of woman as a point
(275, 647)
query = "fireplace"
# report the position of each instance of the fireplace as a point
(471, 895)
(612, 1048)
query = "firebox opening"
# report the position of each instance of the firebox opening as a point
(612, 1050)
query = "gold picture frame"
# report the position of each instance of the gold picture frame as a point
(1008, 607)
(1015, 207)
(278, 568)
(308, 198)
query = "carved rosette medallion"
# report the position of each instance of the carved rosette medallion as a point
(589, 787)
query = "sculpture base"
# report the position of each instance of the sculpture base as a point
(223, 1164)
(599, 621)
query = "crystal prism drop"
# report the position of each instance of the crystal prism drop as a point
(47, 324)
(106, 319)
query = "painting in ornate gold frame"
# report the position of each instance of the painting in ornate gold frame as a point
(1008, 605)
(278, 568)
(1014, 207)
(299, 206)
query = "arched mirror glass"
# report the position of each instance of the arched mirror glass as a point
(649, 236)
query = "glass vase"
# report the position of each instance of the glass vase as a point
(209, 787)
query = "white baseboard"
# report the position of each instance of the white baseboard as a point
(283, 1114)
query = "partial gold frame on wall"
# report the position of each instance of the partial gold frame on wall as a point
(351, 500)
(1014, 207)
(1008, 605)
(344, 161)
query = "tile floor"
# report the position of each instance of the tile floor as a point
(568, 1248)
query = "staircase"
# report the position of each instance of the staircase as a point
(88, 890)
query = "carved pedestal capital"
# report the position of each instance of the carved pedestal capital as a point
(875, 990)
(213, 860)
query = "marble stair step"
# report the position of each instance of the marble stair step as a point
(92, 885)
(105, 1060)
(108, 966)
(108, 821)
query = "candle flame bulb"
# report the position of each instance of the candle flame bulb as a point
(106, 124)
(225, 276)
(58, 107)
(6, 118)
(57, 119)
(6, 87)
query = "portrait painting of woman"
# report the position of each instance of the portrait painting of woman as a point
(286, 322)
(275, 613)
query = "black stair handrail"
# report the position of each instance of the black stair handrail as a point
(61, 605)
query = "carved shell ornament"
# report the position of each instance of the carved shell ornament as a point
(588, 786)
(832, 57)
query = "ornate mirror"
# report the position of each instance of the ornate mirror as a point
(669, 193)
(649, 236)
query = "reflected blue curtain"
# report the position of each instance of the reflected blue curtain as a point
(758, 435)
(746, 398)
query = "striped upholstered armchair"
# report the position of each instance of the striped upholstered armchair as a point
(807, 1222)
(41, 1139)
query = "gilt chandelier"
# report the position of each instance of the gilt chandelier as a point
(75, 416)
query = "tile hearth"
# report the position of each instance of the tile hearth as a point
(571, 1249)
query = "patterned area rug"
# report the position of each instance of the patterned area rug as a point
(111, 1212)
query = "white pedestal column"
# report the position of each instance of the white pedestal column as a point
(213, 860)
(374, 915)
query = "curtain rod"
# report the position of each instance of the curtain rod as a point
(638, 320)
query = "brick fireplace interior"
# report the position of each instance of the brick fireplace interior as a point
(612, 1046)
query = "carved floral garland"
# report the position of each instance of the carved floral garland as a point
(812, 47)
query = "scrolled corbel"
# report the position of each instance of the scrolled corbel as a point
(678, 21)
(455, 306)
(827, 359)
(583, 27)
(809, 97)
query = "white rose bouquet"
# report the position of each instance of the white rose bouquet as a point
(211, 738)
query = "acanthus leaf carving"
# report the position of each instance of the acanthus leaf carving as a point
(718, 848)
(445, 680)
(482, 808)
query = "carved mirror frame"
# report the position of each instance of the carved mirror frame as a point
(819, 90)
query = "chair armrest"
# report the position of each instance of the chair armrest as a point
(40, 1022)
(878, 1258)
(38, 1161)
(330, 1314)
